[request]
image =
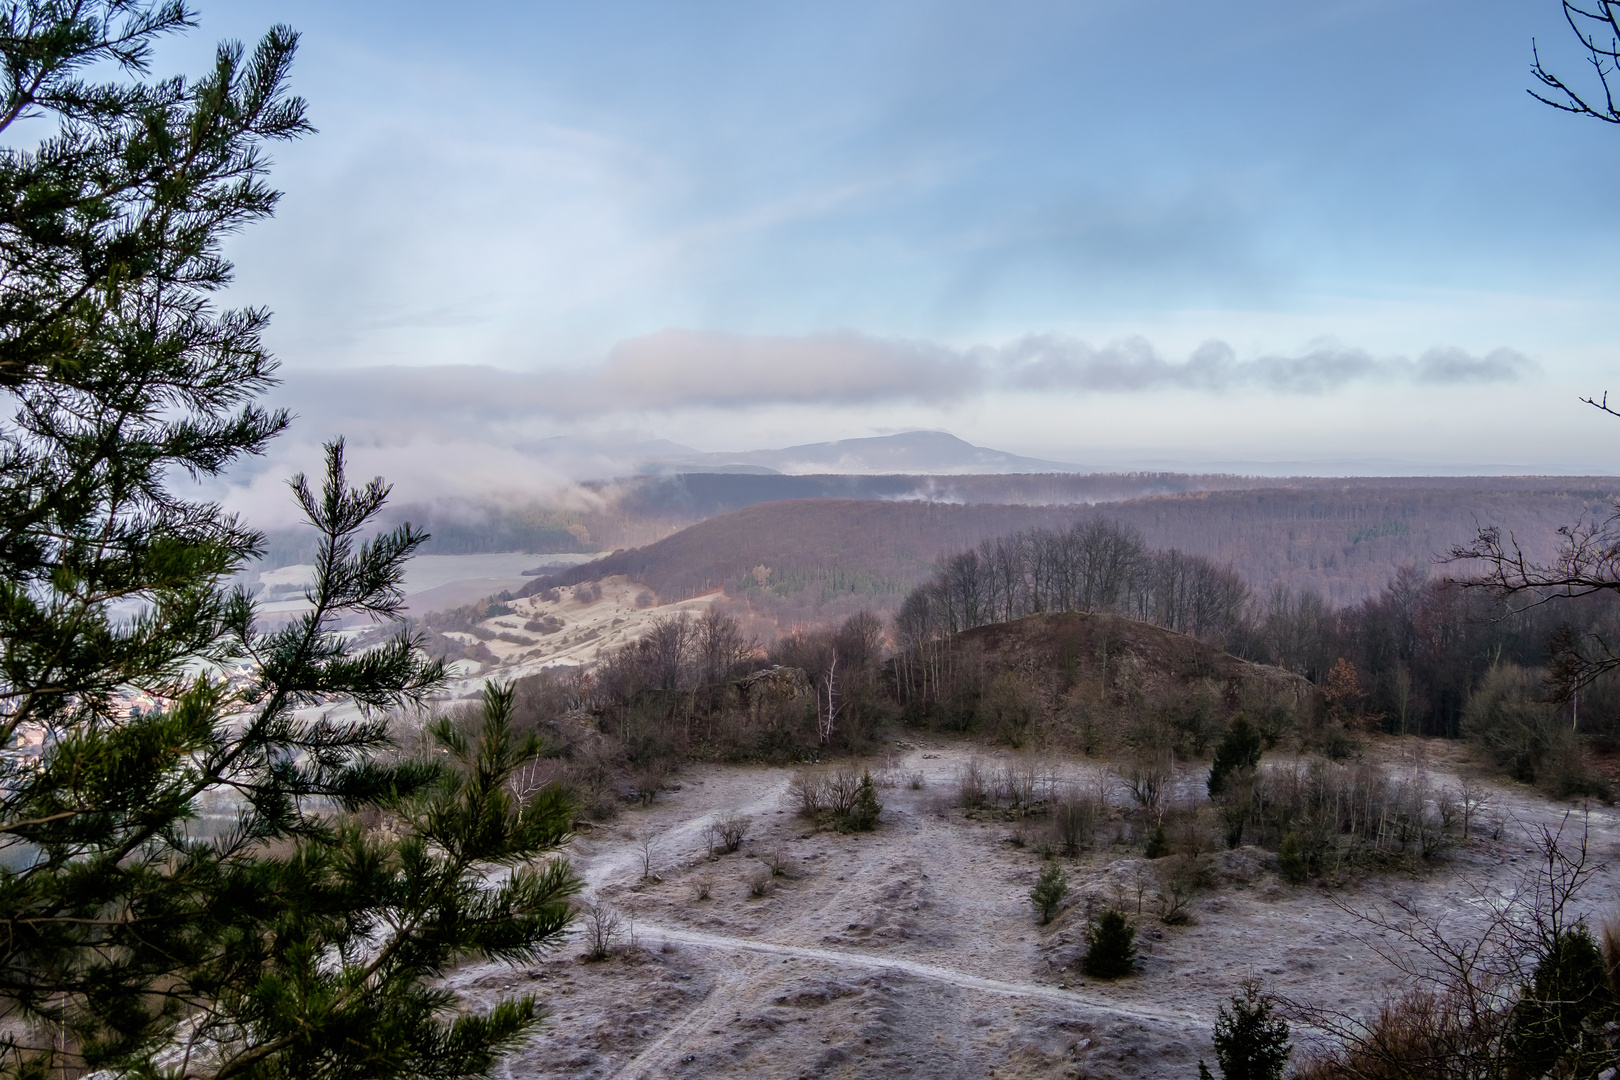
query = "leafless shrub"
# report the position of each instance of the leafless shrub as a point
(1175, 904)
(760, 884)
(1472, 797)
(843, 790)
(780, 864)
(646, 857)
(1074, 822)
(1149, 776)
(808, 788)
(727, 833)
(647, 781)
(915, 781)
(886, 772)
(1180, 880)
(601, 923)
(1448, 807)
(703, 887)
(972, 790)
(1414, 1035)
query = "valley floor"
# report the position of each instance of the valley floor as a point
(914, 951)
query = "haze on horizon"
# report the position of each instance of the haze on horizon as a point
(1329, 238)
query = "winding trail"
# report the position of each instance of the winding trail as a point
(933, 972)
(734, 983)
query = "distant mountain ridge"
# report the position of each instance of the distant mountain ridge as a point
(936, 453)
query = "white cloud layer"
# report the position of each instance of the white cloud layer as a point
(682, 369)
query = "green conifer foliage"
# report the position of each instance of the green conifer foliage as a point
(1110, 946)
(1239, 749)
(862, 815)
(1291, 861)
(1557, 1026)
(286, 941)
(1250, 1043)
(1050, 889)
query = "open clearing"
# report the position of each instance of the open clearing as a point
(913, 951)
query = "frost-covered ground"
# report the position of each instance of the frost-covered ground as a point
(913, 951)
(578, 628)
(432, 582)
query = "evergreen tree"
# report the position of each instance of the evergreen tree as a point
(863, 812)
(1050, 889)
(1557, 1025)
(1291, 862)
(1110, 946)
(1238, 749)
(290, 942)
(1250, 1043)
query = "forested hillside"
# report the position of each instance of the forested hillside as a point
(793, 558)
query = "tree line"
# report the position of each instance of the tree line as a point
(1094, 565)
(1415, 652)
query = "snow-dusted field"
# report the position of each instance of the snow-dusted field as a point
(913, 951)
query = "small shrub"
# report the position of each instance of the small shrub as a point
(602, 923)
(1158, 844)
(1175, 903)
(760, 884)
(915, 781)
(779, 864)
(727, 833)
(808, 788)
(1110, 946)
(1250, 1044)
(862, 815)
(1181, 879)
(1149, 777)
(703, 887)
(1049, 891)
(646, 782)
(1291, 863)
(1074, 821)
(972, 792)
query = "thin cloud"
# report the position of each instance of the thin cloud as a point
(1050, 362)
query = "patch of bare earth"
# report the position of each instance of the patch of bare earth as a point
(913, 951)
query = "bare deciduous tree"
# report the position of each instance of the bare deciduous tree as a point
(1596, 25)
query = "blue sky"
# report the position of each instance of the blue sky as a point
(547, 189)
